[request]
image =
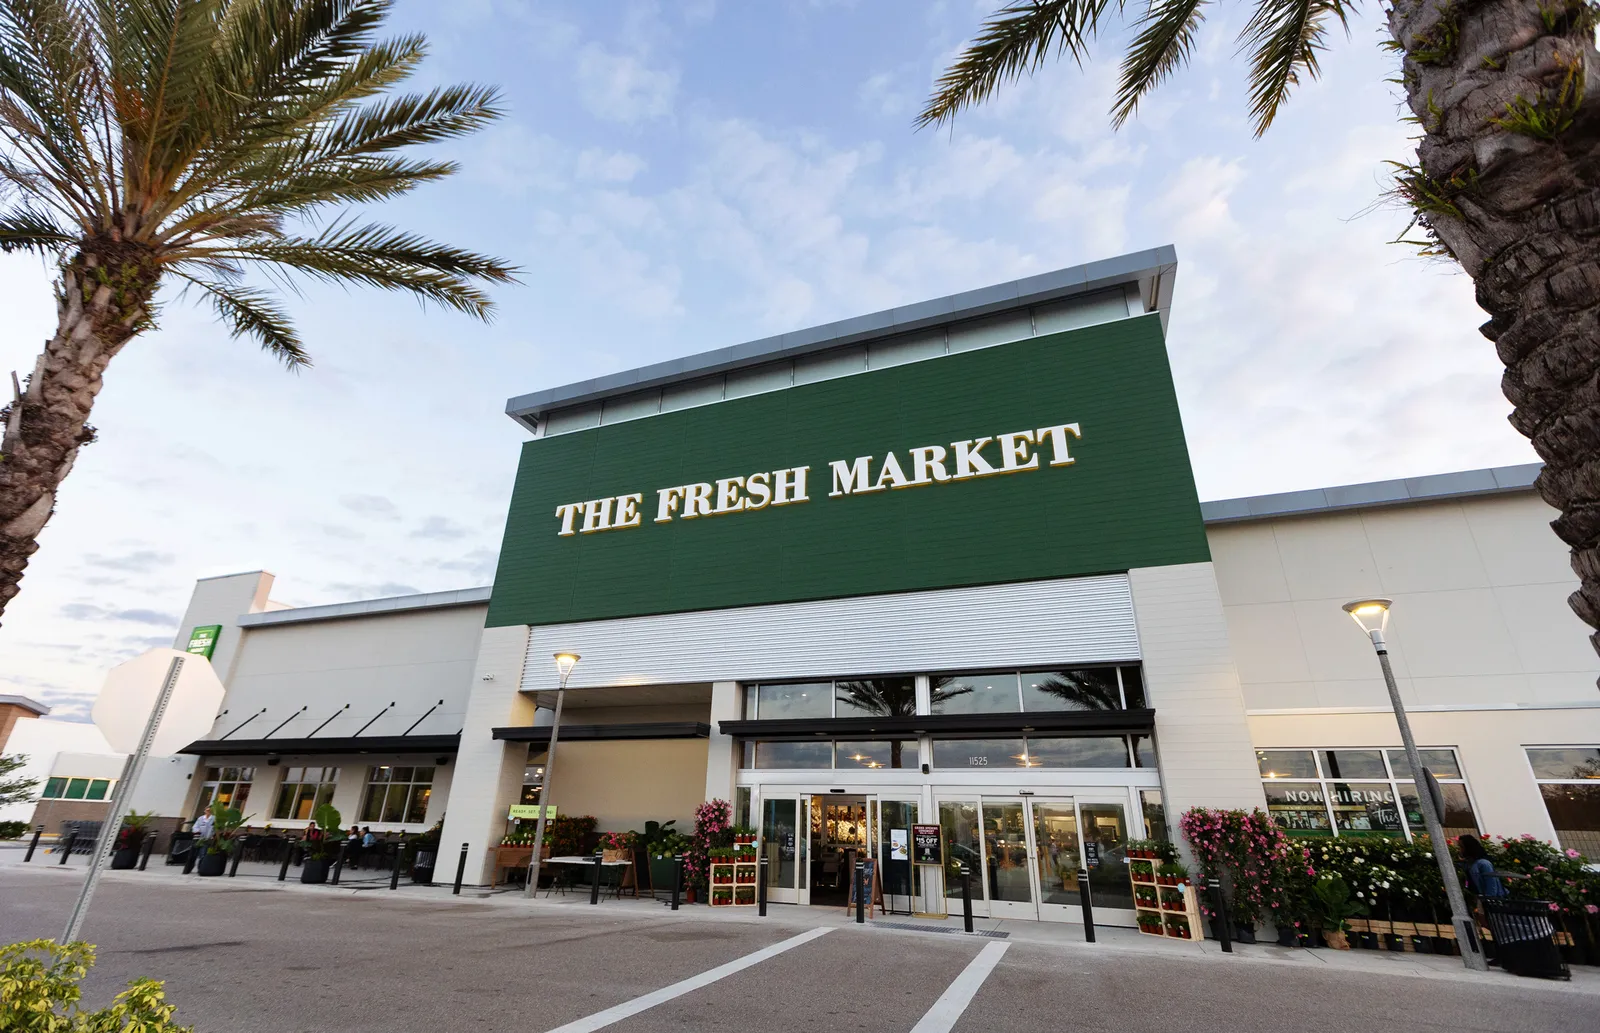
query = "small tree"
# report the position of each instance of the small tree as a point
(39, 993)
(15, 790)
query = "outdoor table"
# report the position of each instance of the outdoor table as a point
(586, 862)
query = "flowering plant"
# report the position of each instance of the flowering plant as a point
(713, 828)
(1254, 860)
(617, 840)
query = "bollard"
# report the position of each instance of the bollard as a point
(594, 888)
(677, 879)
(238, 855)
(966, 898)
(149, 848)
(461, 871)
(190, 856)
(1221, 924)
(38, 830)
(1087, 904)
(761, 887)
(399, 855)
(288, 855)
(72, 837)
(338, 864)
(861, 871)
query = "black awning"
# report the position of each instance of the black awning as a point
(330, 744)
(1063, 722)
(608, 733)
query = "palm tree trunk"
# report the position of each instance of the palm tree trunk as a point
(1508, 182)
(103, 300)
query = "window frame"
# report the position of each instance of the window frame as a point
(411, 782)
(1325, 784)
(1539, 783)
(331, 784)
(751, 704)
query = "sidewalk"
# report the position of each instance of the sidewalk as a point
(373, 886)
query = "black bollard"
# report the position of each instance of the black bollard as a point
(238, 855)
(861, 872)
(461, 871)
(966, 898)
(149, 848)
(190, 856)
(677, 879)
(38, 830)
(72, 837)
(338, 864)
(1220, 924)
(288, 855)
(1087, 904)
(594, 888)
(399, 855)
(761, 887)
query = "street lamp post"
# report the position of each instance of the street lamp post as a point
(565, 662)
(1372, 615)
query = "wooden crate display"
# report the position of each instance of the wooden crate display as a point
(1176, 917)
(733, 883)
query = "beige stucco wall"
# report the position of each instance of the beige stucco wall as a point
(626, 783)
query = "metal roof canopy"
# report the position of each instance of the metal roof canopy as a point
(331, 744)
(1152, 271)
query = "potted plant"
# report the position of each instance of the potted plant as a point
(663, 853)
(135, 827)
(423, 849)
(1171, 899)
(1171, 873)
(226, 822)
(1149, 922)
(744, 894)
(322, 845)
(1144, 896)
(1178, 925)
(1141, 870)
(1333, 905)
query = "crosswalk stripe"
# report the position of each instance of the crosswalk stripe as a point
(948, 1008)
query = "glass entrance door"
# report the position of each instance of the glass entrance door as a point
(902, 881)
(1007, 876)
(783, 842)
(1058, 856)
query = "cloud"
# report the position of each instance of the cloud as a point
(621, 87)
(141, 561)
(92, 612)
(441, 529)
(604, 166)
(376, 507)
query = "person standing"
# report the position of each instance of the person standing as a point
(1482, 879)
(205, 826)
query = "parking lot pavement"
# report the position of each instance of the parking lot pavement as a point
(245, 955)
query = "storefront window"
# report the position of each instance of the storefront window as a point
(532, 778)
(1569, 781)
(875, 697)
(1144, 751)
(789, 754)
(976, 694)
(397, 794)
(1092, 689)
(1085, 752)
(303, 791)
(800, 699)
(980, 753)
(1360, 792)
(899, 753)
(76, 789)
(1155, 815)
(959, 822)
(227, 786)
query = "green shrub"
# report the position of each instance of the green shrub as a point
(13, 829)
(39, 993)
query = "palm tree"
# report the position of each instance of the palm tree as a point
(892, 697)
(188, 142)
(1093, 689)
(1504, 183)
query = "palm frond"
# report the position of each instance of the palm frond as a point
(1016, 40)
(381, 256)
(1284, 37)
(1165, 41)
(26, 229)
(249, 312)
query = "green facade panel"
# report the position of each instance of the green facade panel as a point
(1127, 500)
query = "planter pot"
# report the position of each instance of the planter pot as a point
(125, 858)
(688, 895)
(1369, 941)
(1287, 937)
(1244, 932)
(422, 866)
(1335, 938)
(661, 873)
(1422, 944)
(1397, 944)
(212, 864)
(315, 870)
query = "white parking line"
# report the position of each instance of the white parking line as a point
(602, 1019)
(948, 1008)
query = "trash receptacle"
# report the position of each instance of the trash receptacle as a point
(1524, 937)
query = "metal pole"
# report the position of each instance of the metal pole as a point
(72, 837)
(38, 830)
(238, 855)
(338, 864)
(677, 876)
(190, 856)
(399, 855)
(149, 848)
(1086, 902)
(594, 888)
(966, 898)
(546, 793)
(861, 871)
(119, 803)
(1466, 932)
(1224, 930)
(761, 887)
(288, 854)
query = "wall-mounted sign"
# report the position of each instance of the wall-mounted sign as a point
(203, 640)
(530, 812)
(927, 844)
(1055, 456)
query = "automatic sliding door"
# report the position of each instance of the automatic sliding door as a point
(783, 844)
(1007, 876)
(1106, 824)
(901, 879)
(963, 845)
(1058, 856)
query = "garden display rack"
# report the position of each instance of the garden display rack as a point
(1175, 917)
(733, 882)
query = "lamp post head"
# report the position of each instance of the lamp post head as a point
(1371, 615)
(565, 662)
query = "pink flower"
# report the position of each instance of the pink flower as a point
(1554, 906)
(1591, 909)
(1573, 854)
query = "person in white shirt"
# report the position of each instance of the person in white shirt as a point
(205, 826)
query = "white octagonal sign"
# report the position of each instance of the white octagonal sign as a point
(130, 692)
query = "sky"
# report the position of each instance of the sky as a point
(677, 177)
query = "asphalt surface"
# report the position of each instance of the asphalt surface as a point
(246, 956)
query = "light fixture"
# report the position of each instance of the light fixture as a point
(565, 662)
(1372, 615)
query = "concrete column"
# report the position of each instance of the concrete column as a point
(722, 763)
(1202, 736)
(488, 773)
